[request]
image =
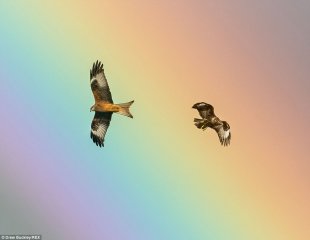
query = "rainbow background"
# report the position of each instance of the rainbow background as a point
(158, 177)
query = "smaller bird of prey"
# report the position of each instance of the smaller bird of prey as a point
(209, 119)
(104, 106)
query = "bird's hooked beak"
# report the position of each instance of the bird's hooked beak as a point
(194, 106)
(91, 109)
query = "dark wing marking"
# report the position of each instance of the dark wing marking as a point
(99, 127)
(99, 84)
(206, 111)
(224, 133)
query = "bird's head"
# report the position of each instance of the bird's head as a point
(92, 108)
(202, 106)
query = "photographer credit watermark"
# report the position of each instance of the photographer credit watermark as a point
(20, 237)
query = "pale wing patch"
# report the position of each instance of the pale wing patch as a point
(99, 84)
(99, 127)
(226, 133)
(92, 80)
(102, 81)
(224, 136)
(100, 131)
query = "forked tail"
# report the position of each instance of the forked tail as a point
(124, 109)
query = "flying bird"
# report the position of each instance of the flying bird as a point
(209, 119)
(104, 106)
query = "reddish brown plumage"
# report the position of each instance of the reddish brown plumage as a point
(104, 106)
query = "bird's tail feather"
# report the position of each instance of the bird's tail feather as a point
(200, 123)
(124, 109)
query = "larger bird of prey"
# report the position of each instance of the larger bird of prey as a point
(209, 119)
(104, 106)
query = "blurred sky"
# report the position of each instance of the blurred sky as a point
(158, 177)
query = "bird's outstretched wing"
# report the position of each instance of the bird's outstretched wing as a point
(224, 133)
(99, 84)
(99, 127)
